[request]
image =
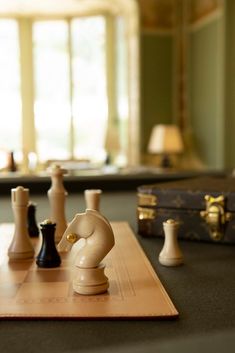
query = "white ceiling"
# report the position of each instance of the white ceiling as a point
(54, 7)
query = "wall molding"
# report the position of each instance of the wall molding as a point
(206, 20)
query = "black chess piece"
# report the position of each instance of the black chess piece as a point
(31, 219)
(48, 255)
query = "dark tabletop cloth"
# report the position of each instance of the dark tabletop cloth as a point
(203, 291)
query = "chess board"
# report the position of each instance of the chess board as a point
(135, 290)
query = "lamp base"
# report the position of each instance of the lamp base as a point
(166, 161)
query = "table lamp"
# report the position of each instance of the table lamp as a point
(165, 140)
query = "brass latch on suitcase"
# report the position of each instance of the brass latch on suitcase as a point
(147, 200)
(215, 216)
(146, 213)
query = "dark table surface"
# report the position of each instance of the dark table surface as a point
(203, 291)
(107, 179)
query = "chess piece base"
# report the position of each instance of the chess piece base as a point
(90, 281)
(20, 255)
(48, 264)
(170, 261)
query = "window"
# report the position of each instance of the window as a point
(51, 85)
(10, 102)
(65, 90)
(90, 106)
(70, 88)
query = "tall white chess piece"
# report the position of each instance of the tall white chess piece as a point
(57, 197)
(92, 198)
(171, 254)
(21, 246)
(99, 240)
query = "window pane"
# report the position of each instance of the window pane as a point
(52, 89)
(89, 86)
(10, 102)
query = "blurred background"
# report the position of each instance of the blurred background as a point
(86, 82)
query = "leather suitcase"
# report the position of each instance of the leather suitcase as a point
(204, 207)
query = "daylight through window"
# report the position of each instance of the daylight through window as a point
(70, 103)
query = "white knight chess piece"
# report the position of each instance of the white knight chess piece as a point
(99, 240)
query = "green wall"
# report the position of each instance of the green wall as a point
(156, 83)
(230, 85)
(205, 84)
(211, 86)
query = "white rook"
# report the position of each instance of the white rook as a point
(21, 246)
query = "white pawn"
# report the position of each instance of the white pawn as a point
(57, 196)
(92, 198)
(171, 254)
(21, 246)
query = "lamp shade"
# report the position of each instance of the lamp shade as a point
(165, 139)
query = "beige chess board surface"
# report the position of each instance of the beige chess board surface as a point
(135, 290)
